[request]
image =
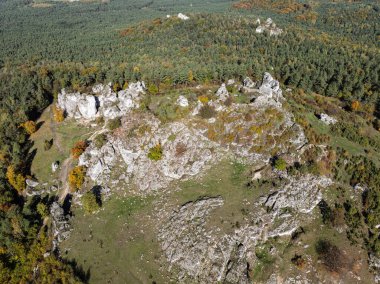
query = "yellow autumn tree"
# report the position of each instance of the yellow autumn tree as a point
(15, 179)
(29, 126)
(355, 105)
(58, 114)
(76, 177)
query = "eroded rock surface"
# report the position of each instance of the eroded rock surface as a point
(201, 253)
(104, 103)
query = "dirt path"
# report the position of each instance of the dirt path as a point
(63, 178)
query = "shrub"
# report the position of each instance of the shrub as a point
(207, 112)
(78, 149)
(355, 105)
(112, 124)
(298, 261)
(48, 144)
(42, 209)
(203, 99)
(280, 164)
(155, 153)
(100, 140)
(153, 89)
(30, 127)
(331, 256)
(58, 114)
(90, 202)
(76, 177)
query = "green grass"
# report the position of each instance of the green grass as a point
(67, 134)
(117, 244)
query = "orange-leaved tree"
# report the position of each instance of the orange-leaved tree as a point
(78, 149)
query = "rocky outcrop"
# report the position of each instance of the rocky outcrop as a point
(326, 119)
(269, 26)
(194, 246)
(222, 93)
(182, 101)
(374, 264)
(182, 16)
(104, 103)
(60, 224)
(190, 145)
(185, 155)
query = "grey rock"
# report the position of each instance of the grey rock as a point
(182, 101)
(326, 119)
(222, 93)
(32, 183)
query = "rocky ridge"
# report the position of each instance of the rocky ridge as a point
(191, 144)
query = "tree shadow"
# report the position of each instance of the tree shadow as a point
(83, 275)
(97, 190)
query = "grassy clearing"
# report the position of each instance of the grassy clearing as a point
(65, 136)
(117, 244)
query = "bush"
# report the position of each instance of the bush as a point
(42, 209)
(48, 144)
(78, 149)
(207, 112)
(58, 114)
(100, 140)
(280, 164)
(153, 89)
(155, 153)
(113, 124)
(30, 127)
(331, 256)
(76, 177)
(90, 202)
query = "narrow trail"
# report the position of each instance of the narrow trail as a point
(63, 177)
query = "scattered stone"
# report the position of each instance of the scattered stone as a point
(182, 101)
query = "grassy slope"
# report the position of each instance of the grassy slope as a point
(66, 135)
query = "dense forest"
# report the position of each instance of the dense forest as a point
(79, 44)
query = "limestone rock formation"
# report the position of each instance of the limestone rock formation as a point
(326, 119)
(270, 27)
(182, 16)
(60, 224)
(105, 103)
